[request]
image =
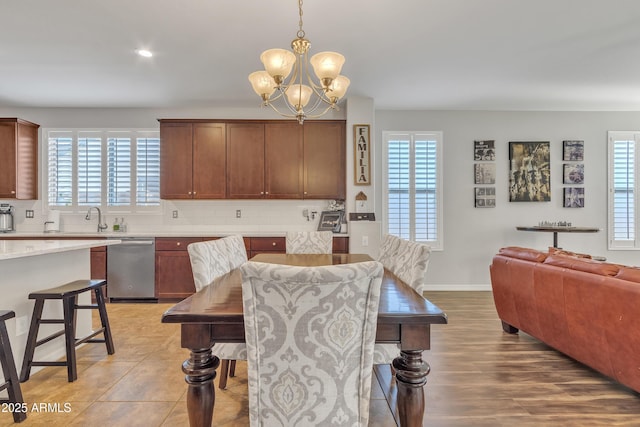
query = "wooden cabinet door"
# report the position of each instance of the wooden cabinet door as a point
(283, 160)
(174, 278)
(8, 160)
(324, 160)
(209, 161)
(18, 159)
(176, 154)
(245, 160)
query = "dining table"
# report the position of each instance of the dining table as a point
(215, 315)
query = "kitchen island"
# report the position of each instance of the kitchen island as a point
(31, 265)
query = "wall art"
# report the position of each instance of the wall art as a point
(573, 150)
(361, 155)
(529, 172)
(485, 197)
(485, 173)
(484, 150)
(573, 197)
(573, 173)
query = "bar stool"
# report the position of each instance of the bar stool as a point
(11, 383)
(68, 293)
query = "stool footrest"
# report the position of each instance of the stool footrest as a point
(49, 338)
(87, 307)
(46, 363)
(88, 337)
(51, 321)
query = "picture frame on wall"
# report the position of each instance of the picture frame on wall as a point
(485, 197)
(573, 173)
(573, 197)
(484, 173)
(529, 171)
(484, 150)
(361, 155)
(330, 221)
(573, 150)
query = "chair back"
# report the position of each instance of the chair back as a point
(407, 260)
(214, 258)
(309, 242)
(310, 333)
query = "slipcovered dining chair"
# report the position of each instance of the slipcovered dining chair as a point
(210, 260)
(309, 242)
(309, 334)
(409, 262)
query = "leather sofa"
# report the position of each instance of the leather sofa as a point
(587, 309)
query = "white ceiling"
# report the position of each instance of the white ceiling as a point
(405, 54)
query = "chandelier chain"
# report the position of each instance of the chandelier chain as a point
(300, 31)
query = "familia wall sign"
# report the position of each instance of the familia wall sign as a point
(361, 155)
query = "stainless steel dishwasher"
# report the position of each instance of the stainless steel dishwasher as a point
(131, 270)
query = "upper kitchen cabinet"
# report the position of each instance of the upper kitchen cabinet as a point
(245, 160)
(324, 160)
(283, 160)
(18, 159)
(192, 160)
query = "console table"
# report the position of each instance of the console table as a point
(556, 230)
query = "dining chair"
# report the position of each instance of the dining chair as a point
(409, 262)
(310, 333)
(309, 242)
(210, 260)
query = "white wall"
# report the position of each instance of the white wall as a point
(472, 235)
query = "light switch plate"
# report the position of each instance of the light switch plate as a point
(29, 213)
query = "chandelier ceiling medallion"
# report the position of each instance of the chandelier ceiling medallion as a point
(296, 93)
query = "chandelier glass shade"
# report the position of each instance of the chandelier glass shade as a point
(302, 96)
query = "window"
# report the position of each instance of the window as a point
(413, 186)
(112, 169)
(623, 151)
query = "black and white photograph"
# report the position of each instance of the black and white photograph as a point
(485, 197)
(485, 173)
(573, 173)
(573, 197)
(484, 150)
(573, 150)
(529, 172)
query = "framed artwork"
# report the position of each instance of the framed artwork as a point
(573, 197)
(485, 197)
(361, 155)
(485, 173)
(529, 172)
(484, 150)
(573, 150)
(573, 173)
(330, 221)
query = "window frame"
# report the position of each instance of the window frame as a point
(104, 134)
(437, 136)
(613, 243)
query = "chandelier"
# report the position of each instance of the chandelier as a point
(296, 93)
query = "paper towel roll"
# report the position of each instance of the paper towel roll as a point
(53, 221)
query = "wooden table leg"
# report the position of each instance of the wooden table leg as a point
(411, 376)
(200, 370)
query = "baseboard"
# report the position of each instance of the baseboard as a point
(454, 287)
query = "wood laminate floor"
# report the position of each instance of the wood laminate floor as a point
(479, 376)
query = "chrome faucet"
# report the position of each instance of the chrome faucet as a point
(101, 226)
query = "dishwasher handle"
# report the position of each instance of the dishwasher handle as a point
(136, 243)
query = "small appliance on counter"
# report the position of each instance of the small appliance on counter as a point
(6, 218)
(52, 224)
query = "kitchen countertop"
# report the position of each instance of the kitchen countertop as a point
(11, 249)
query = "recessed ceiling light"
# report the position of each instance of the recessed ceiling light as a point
(145, 53)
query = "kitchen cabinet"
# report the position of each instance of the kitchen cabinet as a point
(324, 160)
(259, 245)
(283, 160)
(245, 160)
(174, 278)
(192, 160)
(18, 159)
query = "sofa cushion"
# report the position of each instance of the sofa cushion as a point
(631, 274)
(583, 264)
(523, 253)
(558, 251)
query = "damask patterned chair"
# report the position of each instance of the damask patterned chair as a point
(309, 242)
(209, 260)
(310, 333)
(409, 262)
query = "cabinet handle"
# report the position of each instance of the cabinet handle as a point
(178, 244)
(262, 192)
(273, 243)
(305, 192)
(266, 192)
(194, 193)
(189, 193)
(13, 191)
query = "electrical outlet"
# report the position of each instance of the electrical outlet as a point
(238, 213)
(22, 325)
(365, 240)
(175, 214)
(29, 213)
